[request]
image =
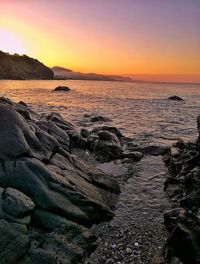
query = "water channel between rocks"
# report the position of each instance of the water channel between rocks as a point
(137, 232)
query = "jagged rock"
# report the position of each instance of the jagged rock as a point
(62, 89)
(52, 129)
(16, 203)
(99, 119)
(174, 216)
(185, 243)
(14, 242)
(76, 140)
(154, 150)
(111, 129)
(175, 98)
(22, 103)
(85, 133)
(183, 189)
(105, 145)
(135, 155)
(47, 188)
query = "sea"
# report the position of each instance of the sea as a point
(140, 110)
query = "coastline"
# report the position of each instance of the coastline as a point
(103, 160)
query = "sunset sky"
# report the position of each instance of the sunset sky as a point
(160, 38)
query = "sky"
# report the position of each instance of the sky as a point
(156, 39)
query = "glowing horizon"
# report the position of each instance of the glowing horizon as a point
(109, 37)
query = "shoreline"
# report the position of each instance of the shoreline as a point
(99, 196)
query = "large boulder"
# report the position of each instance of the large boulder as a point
(105, 144)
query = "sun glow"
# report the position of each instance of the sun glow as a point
(9, 42)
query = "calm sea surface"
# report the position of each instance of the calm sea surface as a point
(140, 110)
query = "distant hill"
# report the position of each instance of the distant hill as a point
(23, 68)
(62, 73)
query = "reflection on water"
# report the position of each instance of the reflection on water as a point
(139, 109)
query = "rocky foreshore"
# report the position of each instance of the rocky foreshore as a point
(51, 192)
(183, 190)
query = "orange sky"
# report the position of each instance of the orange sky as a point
(158, 38)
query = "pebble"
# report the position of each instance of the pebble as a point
(128, 250)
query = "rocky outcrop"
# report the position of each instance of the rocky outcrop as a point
(22, 68)
(49, 197)
(99, 119)
(62, 89)
(175, 98)
(183, 189)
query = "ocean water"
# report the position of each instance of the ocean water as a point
(140, 110)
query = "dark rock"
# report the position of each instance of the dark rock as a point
(111, 129)
(47, 188)
(22, 103)
(105, 145)
(155, 150)
(174, 216)
(62, 89)
(16, 203)
(99, 119)
(14, 242)
(183, 189)
(107, 136)
(136, 155)
(85, 133)
(175, 98)
(185, 244)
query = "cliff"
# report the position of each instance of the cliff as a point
(22, 67)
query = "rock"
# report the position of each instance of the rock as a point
(136, 155)
(76, 140)
(100, 119)
(16, 203)
(60, 122)
(52, 129)
(106, 151)
(85, 133)
(175, 98)
(107, 136)
(183, 189)
(22, 103)
(62, 89)
(111, 129)
(173, 217)
(14, 242)
(155, 150)
(174, 151)
(105, 145)
(23, 68)
(43, 185)
(185, 244)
